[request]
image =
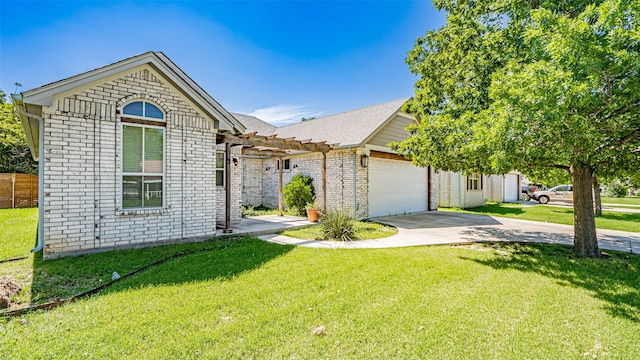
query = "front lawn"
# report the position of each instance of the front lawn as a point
(252, 299)
(246, 298)
(558, 215)
(629, 200)
(363, 230)
(18, 229)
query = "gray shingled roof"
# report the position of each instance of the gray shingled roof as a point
(349, 128)
(253, 124)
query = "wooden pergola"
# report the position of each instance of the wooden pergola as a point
(270, 146)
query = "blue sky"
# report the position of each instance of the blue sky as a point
(276, 60)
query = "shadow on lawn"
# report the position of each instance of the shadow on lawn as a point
(219, 258)
(613, 279)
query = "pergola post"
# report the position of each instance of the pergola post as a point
(324, 182)
(280, 206)
(227, 193)
(259, 145)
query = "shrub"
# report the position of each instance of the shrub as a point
(617, 189)
(257, 210)
(298, 193)
(338, 225)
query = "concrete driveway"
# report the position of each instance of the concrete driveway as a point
(438, 228)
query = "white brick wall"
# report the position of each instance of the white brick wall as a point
(82, 173)
(260, 186)
(448, 191)
(493, 188)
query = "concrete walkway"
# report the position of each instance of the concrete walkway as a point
(440, 228)
(265, 224)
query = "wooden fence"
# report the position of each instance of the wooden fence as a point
(18, 191)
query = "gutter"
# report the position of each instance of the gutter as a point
(40, 243)
(355, 198)
(22, 112)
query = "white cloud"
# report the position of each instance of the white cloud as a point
(281, 115)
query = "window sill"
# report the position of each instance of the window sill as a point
(143, 212)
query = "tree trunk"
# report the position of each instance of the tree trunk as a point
(597, 198)
(585, 241)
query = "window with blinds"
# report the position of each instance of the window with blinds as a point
(220, 166)
(142, 164)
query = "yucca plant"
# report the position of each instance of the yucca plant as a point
(338, 225)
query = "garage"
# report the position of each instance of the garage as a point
(396, 187)
(511, 188)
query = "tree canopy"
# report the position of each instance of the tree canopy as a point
(15, 156)
(531, 85)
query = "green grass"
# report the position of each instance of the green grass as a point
(558, 215)
(253, 299)
(18, 229)
(635, 200)
(364, 230)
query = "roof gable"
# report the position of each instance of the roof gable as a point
(159, 62)
(351, 128)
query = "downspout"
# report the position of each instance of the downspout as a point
(459, 190)
(429, 188)
(355, 198)
(40, 243)
(227, 193)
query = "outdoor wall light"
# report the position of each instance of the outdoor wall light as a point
(267, 168)
(364, 161)
(234, 161)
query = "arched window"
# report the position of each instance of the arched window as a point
(143, 109)
(142, 156)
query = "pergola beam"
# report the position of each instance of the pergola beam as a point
(263, 152)
(275, 143)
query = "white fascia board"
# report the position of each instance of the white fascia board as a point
(30, 125)
(199, 93)
(380, 148)
(44, 95)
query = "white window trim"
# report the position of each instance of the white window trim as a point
(223, 168)
(278, 162)
(470, 180)
(164, 166)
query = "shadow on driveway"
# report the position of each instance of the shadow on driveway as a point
(435, 219)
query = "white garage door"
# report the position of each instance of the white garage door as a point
(511, 191)
(396, 187)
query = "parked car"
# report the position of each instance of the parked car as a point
(557, 193)
(527, 192)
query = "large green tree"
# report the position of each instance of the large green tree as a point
(532, 85)
(15, 156)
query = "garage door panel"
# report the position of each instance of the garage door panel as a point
(511, 191)
(396, 187)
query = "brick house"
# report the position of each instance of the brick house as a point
(362, 172)
(136, 154)
(129, 156)
(385, 183)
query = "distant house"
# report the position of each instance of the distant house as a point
(471, 190)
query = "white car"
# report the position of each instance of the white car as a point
(557, 193)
